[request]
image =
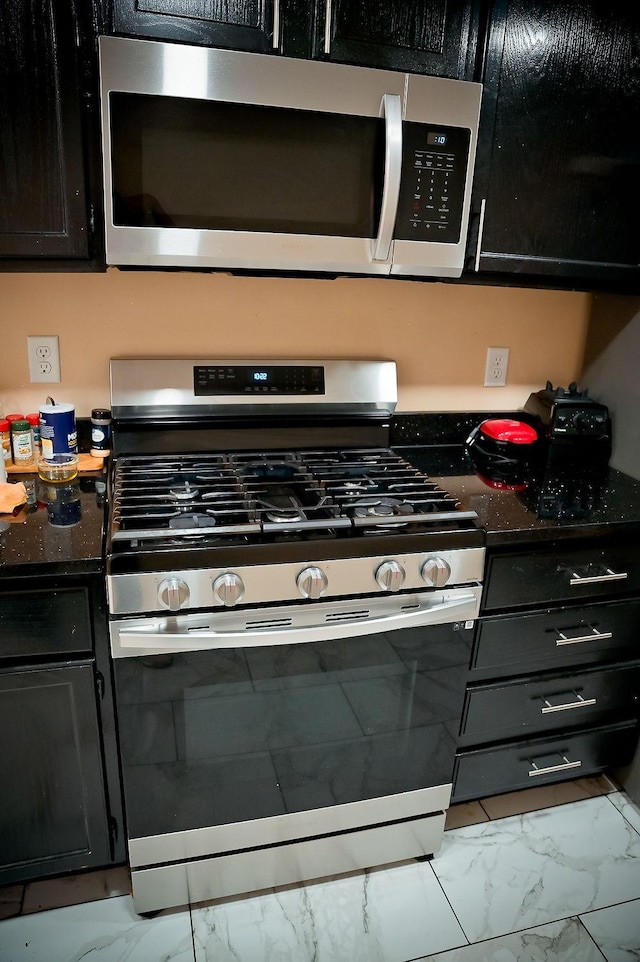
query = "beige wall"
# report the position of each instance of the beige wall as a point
(437, 333)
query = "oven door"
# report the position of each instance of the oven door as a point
(247, 729)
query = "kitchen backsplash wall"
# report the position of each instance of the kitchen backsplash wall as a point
(437, 333)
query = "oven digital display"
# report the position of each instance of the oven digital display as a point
(242, 379)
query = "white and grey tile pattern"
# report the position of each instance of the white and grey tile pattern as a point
(388, 915)
(557, 885)
(527, 870)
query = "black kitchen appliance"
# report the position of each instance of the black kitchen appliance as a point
(506, 452)
(292, 607)
(577, 428)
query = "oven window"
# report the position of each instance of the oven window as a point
(214, 737)
(209, 165)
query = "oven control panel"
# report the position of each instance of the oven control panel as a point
(208, 588)
(211, 380)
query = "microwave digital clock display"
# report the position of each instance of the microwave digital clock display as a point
(242, 379)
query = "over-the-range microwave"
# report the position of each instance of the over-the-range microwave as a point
(227, 160)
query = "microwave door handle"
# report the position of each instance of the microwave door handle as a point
(391, 110)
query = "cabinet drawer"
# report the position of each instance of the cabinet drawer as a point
(44, 622)
(559, 575)
(526, 764)
(540, 704)
(514, 644)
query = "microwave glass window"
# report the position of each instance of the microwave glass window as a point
(220, 166)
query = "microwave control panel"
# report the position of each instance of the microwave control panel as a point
(434, 172)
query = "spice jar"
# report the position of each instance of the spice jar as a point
(21, 445)
(34, 423)
(5, 440)
(100, 433)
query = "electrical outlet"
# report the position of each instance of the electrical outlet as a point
(44, 358)
(495, 372)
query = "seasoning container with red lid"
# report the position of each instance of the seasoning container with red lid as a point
(34, 422)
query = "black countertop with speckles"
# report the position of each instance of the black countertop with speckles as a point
(548, 509)
(34, 542)
(60, 534)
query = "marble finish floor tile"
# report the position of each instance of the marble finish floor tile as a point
(545, 796)
(108, 931)
(564, 941)
(386, 915)
(527, 870)
(616, 930)
(628, 808)
(76, 889)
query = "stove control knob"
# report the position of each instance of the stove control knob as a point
(173, 593)
(228, 589)
(312, 582)
(391, 576)
(436, 572)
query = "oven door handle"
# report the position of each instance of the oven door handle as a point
(151, 637)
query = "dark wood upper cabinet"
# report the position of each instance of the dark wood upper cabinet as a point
(43, 199)
(237, 24)
(437, 37)
(557, 186)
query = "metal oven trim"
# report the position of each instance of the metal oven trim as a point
(227, 875)
(282, 829)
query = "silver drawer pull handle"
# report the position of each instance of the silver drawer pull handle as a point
(327, 27)
(276, 24)
(553, 768)
(594, 579)
(580, 703)
(596, 635)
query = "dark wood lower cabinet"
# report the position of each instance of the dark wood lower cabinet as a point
(553, 690)
(52, 806)
(533, 762)
(60, 794)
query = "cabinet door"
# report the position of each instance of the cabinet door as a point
(565, 574)
(559, 153)
(526, 764)
(43, 204)
(534, 705)
(240, 24)
(437, 37)
(53, 815)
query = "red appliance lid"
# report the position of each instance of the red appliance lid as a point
(506, 429)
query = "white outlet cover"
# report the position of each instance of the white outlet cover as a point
(44, 358)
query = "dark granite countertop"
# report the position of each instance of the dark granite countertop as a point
(61, 533)
(587, 506)
(35, 542)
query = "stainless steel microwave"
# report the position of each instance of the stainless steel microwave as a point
(225, 160)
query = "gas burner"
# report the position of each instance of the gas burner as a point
(184, 492)
(381, 508)
(194, 520)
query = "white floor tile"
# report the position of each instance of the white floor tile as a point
(108, 931)
(565, 941)
(381, 916)
(616, 930)
(628, 808)
(527, 870)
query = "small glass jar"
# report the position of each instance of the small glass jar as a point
(21, 445)
(100, 433)
(5, 440)
(34, 422)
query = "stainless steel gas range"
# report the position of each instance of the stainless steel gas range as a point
(292, 608)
